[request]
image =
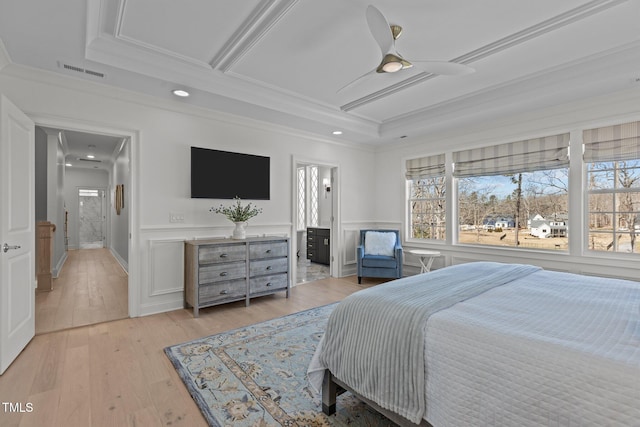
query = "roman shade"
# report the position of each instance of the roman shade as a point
(617, 142)
(549, 152)
(425, 167)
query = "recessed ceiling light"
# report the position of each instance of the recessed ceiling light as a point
(180, 92)
(337, 132)
(90, 156)
(68, 164)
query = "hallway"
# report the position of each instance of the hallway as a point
(92, 288)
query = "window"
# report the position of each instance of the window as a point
(307, 194)
(302, 199)
(427, 198)
(313, 203)
(612, 155)
(514, 194)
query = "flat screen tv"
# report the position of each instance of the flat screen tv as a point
(219, 174)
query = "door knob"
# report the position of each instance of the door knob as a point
(5, 247)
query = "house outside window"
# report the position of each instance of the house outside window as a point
(612, 156)
(426, 198)
(514, 194)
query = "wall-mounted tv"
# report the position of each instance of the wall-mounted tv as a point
(219, 174)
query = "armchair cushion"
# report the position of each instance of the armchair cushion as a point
(379, 261)
(379, 243)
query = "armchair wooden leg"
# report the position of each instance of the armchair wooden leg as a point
(359, 280)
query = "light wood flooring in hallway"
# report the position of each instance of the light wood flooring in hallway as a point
(116, 373)
(91, 288)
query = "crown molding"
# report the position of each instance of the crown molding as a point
(253, 29)
(515, 39)
(5, 59)
(562, 84)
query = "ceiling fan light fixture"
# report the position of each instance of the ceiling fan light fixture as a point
(392, 67)
(392, 63)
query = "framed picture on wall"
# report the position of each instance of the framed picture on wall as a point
(119, 198)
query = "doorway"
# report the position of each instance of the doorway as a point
(91, 273)
(92, 217)
(315, 210)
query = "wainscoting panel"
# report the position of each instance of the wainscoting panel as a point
(350, 239)
(166, 266)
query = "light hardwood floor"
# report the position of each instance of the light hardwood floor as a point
(116, 373)
(91, 288)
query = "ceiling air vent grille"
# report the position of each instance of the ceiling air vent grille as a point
(72, 68)
(94, 73)
(81, 70)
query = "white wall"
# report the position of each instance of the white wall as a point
(49, 190)
(55, 199)
(390, 182)
(162, 133)
(324, 198)
(41, 175)
(119, 234)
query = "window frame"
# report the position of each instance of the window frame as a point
(409, 212)
(614, 192)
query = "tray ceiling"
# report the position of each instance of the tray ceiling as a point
(284, 61)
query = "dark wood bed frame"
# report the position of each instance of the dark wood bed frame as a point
(332, 387)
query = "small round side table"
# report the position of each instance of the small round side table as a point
(423, 255)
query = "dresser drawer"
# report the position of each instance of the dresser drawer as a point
(268, 266)
(268, 250)
(267, 283)
(223, 290)
(221, 253)
(222, 272)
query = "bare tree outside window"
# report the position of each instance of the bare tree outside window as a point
(614, 206)
(427, 210)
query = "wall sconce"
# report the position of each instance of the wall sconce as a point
(327, 186)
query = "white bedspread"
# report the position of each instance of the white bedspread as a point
(551, 349)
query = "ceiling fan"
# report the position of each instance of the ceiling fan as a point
(386, 35)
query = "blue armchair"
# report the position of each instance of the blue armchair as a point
(379, 254)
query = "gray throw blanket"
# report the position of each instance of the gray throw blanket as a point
(374, 340)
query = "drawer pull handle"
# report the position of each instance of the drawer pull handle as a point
(268, 284)
(224, 292)
(223, 255)
(268, 251)
(224, 273)
(269, 267)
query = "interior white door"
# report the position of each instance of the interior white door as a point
(17, 232)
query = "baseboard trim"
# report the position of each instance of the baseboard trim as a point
(124, 264)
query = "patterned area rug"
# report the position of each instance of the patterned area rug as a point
(256, 376)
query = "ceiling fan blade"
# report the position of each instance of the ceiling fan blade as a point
(351, 83)
(380, 29)
(444, 68)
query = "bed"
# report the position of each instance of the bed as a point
(488, 344)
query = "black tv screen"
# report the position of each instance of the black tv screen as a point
(219, 174)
